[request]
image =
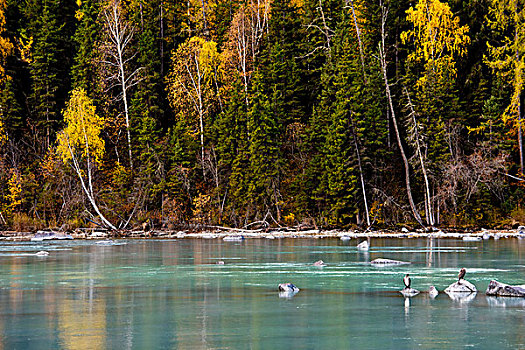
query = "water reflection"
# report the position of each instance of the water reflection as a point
(407, 306)
(82, 324)
(462, 297)
(505, 302)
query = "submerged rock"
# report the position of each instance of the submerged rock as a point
(504, 290)
(383, 262)
(409, 292)
(462, 286)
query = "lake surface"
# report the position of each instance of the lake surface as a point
(155, 294)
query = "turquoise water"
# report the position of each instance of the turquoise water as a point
(154, 294)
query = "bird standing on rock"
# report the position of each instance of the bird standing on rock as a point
(406, 281)
(461, 275)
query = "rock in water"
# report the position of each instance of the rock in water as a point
(288, 288)
(409, 292)
(472, 238)
(363, 245)
(462, 286)
(319, 263)
(383, 262)
(504, 290)
(433, 292)
(233, 238)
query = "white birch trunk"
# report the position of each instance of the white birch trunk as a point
(382, 57)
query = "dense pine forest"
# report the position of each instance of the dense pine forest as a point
(258, 113)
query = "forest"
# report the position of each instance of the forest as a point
(261, 113)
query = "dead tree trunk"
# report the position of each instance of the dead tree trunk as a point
(428, 202)
(360, 170)
(382, 58)
(117, 56)
(361, 51)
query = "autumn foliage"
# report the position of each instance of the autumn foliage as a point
(261, 113)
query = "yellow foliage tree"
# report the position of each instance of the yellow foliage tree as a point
(82, 131)
(507, 58)
(193, 81)
(6, 47)
(80, 143)
(437, 38)
(14, 185)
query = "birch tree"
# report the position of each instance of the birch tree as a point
(436, 41)
(81, 145)
(350, 3)
(118, 56)
(383, 62)
(191, 82)
(247, 29)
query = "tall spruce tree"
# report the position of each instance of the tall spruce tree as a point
(51, 29)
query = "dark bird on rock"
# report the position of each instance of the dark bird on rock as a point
(461, 274)
(406, 281)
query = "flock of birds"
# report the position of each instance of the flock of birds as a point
(288, 289)
(432, 291)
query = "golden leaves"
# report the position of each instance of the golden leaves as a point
(196, 64)
(507, 57)
(437, 37)
(14, 186)
(25, 45)
(82, 131)
(6, 47)
(3, 133)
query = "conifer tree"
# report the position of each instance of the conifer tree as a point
(507, 58)
(51, 59)
(87, 36)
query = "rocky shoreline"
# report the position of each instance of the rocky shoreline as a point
(238, 234)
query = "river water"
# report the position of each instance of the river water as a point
(156, 294)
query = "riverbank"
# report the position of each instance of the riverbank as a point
(236, 234)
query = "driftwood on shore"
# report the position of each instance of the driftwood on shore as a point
(211, 231)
